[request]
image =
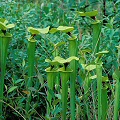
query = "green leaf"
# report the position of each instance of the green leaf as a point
(55, 102)
(65, 29)
(72, 58)
(118, 47)
(32, 40)
(33, 30)
(10, 26)
(90, 67)
(12, 88)
(59, 59)
(102, 53)
(93, 77)
(59, 44)
(81, 13)
(3, 20)
(104, 79)
(47, 60)
(3, 26)
(86, 51)
(53, 62)
(44, 30)
(96, 22)
(73, 38)
(23, 63)
(32, 89)
(53, 30)
(40, 77)
(92, 13)
(58, 96)
(89, 14)
(116, 75)
(18, 81)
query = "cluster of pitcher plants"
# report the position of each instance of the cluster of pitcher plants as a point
(62, 73)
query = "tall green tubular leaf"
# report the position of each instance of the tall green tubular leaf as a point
(51, 77)
(65, 72)
(4, 43)
(116, 76)
(5, 39)
(65, 78)
(99, 88)
(31, 57)
(96, 28)
(98, 62)
(72, 52)
(96, 33)
(104, 103)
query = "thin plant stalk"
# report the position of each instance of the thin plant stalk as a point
(31, 58)
(4, 43)
(72, 52)
(99, 89)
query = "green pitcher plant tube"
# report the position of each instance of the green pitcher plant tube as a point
(73, 52)
(96, 25)
(104, 98)
(51, 77)
(5, 39)
(116, 76)
(52, 73)
(65, 72)
(99, 81)
(31, 58)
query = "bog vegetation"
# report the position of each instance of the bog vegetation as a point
(59, 60)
